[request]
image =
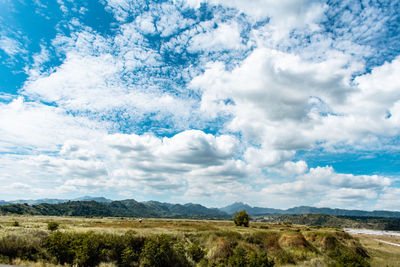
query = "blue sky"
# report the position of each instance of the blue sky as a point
(274, 103)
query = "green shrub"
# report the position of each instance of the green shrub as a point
(52, 226)
(126, 250)
(61, 247)
(195, 252)
(128, 257)
(284, 257)
(159, 251)
(241, 219)
(27, 247)
(15, 223)
(180, 255)
(238, 258)
(88, 247)
(258, 238)
(345, 258)
(259, 260)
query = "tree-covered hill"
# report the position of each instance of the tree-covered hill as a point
(378, 223)
(123, 208)
(257, 211)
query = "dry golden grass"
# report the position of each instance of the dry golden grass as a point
(306, 246)
(382, 255)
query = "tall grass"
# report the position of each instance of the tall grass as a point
(154, 242)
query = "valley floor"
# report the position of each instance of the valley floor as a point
(128, 242)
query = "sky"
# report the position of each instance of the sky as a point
(273, 103)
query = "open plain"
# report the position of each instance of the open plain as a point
(27, 241)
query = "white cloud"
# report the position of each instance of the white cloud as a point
(322, 186)
(285, 103)
(63, 7)
(348, 198)
(146, 23)
(138, 163)
(33, 126)
(299, 167)
(170, 20)
(284, 15)
(327, 176)
(96, 82)
(224, 37)
(11, 46)
(278, 89)
(120, 8)
(389, 199)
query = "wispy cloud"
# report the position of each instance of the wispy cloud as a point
(11, 47)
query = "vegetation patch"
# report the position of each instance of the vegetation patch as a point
(166, 242)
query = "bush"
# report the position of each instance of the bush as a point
(28, 247)
(284, 257)
(259, 260)
(61, 246)
(241, 219)
(90, 249)
(52, 226)
(348, 259)
(196, 253)
(129, 256)
(257, 238)
(128, 248)
(15, 223)
(159, 251)
(238, 259)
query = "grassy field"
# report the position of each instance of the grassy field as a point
(381, 254)
(126, 242)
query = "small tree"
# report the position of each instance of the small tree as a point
(241, 218)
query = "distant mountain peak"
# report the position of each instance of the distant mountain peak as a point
(90, 198)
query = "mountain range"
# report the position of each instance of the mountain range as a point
(100, 206)
(259, 211)
(53, 200)
(121, 208)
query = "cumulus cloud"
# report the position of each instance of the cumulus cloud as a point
(143, 162)
(389, 199)
(33, 126)
(299, 103)
(278, 89)
(283, 16)
(325, 187)
(224, 37)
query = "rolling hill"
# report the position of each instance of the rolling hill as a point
(257, 211)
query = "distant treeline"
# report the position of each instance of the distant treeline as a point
(257, 211)
(123, 208)
(154, 209)
(377, 223)
(132, 208)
